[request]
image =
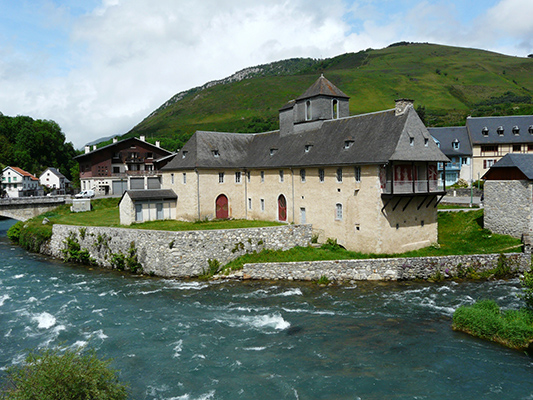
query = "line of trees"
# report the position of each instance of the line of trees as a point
(35, 145)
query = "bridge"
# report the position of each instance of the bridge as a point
(24, 208)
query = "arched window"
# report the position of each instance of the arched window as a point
(335, 109)
(308, 114)
(338, 211)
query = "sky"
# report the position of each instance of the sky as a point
(99, 67)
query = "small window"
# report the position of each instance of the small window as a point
(530, 147)
(500, 130)
(516, 130)
(455, 144)
(308, 147)
(116, 170)
(412, 141)
(321, 175)
(149, 155)
(302, 175)
(273, 151)
(262, 204)
(262, 176)
(221, 177)
(308, 115)
(426, 142)
(517, 148)
(485, 131)
(216, 153)
(249, 203)
(530, 129)
(281, 175)
(339, 174)
(357, 173)
(338, 211)
(172, 179)
(183, 154)
(335, 108)
(248, 176)
(237, 177)
(488, 163)
(184, 178)
(348, 144)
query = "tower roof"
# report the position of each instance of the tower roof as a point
(323, 87)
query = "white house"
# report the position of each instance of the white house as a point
(19, 183)
(53, 179)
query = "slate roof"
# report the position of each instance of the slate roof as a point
(523, 122)
(151, 194)
(524, 162)
(446, 136)
(374, 138)
(322, 87)
(56, 173)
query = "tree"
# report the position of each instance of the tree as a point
(63, 374)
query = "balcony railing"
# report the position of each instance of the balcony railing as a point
(408, 187)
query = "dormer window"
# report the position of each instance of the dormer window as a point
(216, 153)
(426, 142)
(335, 109)
(308, 114)
(530, 129)
(500, 130)
(455, 144)
(308, 147)
(273, 151)
(348, 144)
(184, 153)
(516, 130)
(412, 141)
(485, 131)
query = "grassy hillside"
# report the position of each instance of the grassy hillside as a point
(448, 82)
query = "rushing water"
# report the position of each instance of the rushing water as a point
(248, 340)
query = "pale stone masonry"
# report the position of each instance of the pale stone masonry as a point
(177, 254)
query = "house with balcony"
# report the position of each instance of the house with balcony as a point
(19, 183)
(454, 142)
(370, 181)
(122, 165)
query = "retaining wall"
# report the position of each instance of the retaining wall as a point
(386, 269)
(177, 254)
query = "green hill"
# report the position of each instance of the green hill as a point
(447, 84)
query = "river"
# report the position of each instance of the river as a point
(252, 340)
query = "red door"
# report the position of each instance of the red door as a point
(282, 208)
(222, 207)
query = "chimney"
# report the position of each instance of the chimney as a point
(87, 149)
(402, 105)
(143, 138)
(157, 143)
(115, 140)
(94, 147)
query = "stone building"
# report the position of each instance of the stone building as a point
(509, 196)
(147, 205)
(370, 181)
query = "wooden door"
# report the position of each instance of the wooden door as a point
(222, 207)
(282, 208)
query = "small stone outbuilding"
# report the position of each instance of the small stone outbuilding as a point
(508, 195)
(147, 205)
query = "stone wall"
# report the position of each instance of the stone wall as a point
(177, 254)
(508, 207)
(386, 269)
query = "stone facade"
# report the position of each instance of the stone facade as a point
(383, 269)
(508, 207)
(177, 254)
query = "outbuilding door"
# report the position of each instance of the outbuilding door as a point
(222, 207)
(282, 208)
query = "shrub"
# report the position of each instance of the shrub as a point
(527, 288)
(213, 269)
(33, 236)
(14, 232)
(323, 280)
(63, 374)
